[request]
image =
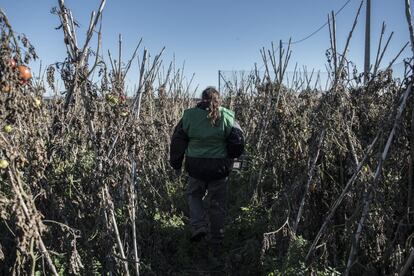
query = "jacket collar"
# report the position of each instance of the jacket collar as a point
(204, 105)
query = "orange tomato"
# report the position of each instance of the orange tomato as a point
(24, 73)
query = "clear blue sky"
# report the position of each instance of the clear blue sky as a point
(212, 34)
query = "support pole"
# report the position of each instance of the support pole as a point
(367, 41)
(219, 81)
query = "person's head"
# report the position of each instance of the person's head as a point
(211, 96)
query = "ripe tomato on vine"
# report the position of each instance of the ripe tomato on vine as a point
(24, 73)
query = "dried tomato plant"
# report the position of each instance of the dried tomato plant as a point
(86, 188)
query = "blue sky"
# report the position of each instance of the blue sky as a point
(212, 35)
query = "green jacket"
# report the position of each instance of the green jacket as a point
(208, 150)
(205, 140)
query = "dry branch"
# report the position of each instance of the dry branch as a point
(311, 173)
(339, 200)
(368, 199)
(409, 22)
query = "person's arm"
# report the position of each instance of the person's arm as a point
(179, 143)
(235, 141)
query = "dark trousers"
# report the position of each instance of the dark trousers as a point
(207, 202)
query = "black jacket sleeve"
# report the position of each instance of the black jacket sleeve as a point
(179, 143)
(235, 142)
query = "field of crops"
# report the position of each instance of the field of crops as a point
(326, 187)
